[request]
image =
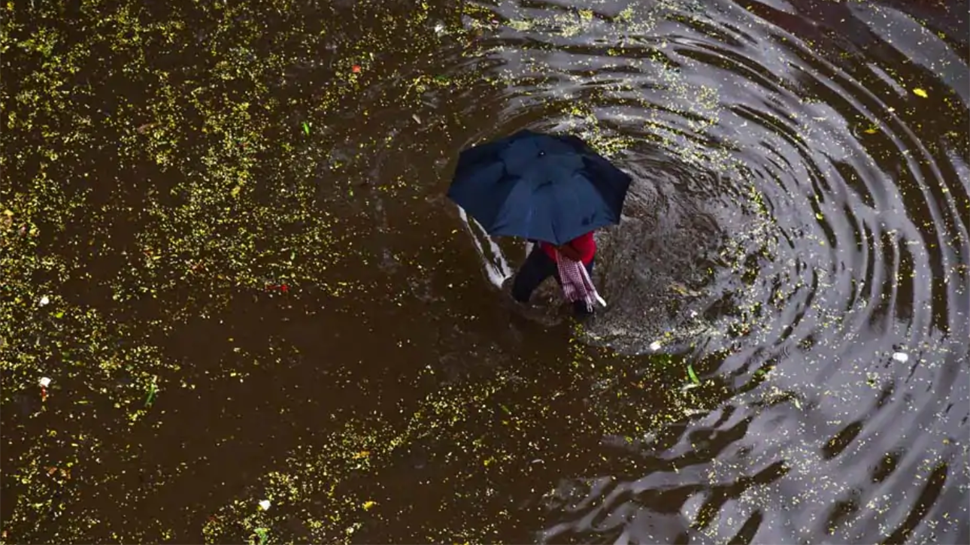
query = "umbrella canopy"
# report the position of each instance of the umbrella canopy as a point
(539, 186)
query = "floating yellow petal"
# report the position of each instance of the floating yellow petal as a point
(369, 504)
(920, 93)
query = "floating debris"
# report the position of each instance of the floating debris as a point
(246, 189)
(692, 374)
(152, 391)
(901, 357)
(44, 383)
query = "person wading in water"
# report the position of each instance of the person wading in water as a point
(550, 188)
(571, 264)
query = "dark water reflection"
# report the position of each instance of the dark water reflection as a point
(797, 233)
(815, 225)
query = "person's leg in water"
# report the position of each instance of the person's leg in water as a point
(536, 268)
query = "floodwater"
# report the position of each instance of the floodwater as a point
(225, 244)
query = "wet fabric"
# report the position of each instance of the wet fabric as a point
(539, 186)
(577, 286)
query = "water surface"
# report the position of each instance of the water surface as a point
(238, 207)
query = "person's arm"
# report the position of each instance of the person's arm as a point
(583, 248)
(570, 252)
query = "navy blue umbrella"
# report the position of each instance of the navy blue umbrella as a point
(538, 186)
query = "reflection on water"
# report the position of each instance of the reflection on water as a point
(795, 209)
(800, 210)
(784, 355)
(496, 267)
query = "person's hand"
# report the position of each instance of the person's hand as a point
(570, 252)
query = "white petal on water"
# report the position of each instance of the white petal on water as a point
(264, 505)
(901, 357)
(655, 345)
(44, 300)
(44, 382)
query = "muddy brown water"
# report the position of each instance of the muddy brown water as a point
(783, 359)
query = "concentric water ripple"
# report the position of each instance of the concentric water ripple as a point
(799, 224)
(234, 263)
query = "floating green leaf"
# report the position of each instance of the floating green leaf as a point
(693, 375)
(152, 390)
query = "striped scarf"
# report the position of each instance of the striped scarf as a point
(576, 283)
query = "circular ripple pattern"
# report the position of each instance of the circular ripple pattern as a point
(798, 224)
